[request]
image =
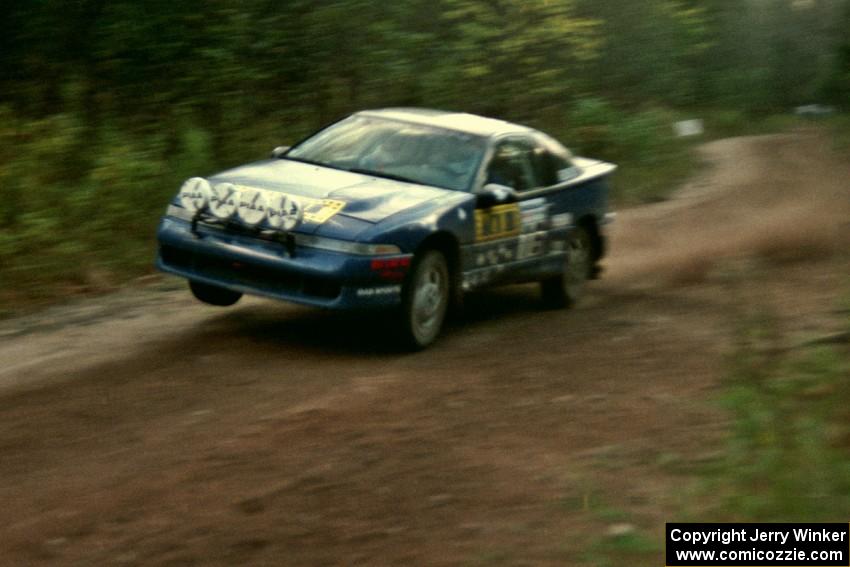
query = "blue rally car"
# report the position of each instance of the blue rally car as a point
(396, 208)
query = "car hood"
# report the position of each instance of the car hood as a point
(366, 198)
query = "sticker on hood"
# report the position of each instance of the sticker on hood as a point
(320, 210)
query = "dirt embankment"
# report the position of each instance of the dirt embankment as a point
(145, 429)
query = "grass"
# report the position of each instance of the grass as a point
(786, 457)
(840, 127)
(633, 548)
(788, 454)
(622, 543)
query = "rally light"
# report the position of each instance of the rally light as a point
(251, 206)
(224, 200)
(195, 194)
(284, 212)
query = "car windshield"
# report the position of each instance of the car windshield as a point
(396, 150)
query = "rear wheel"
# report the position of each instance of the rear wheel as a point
(565, 289)
(425, 300)
(213, 294)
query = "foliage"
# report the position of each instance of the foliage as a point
(80, 205)
(652, 160)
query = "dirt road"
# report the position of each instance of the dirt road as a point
(145, 429)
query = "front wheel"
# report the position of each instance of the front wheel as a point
(565, 289)
(213, 294)
(425, 300)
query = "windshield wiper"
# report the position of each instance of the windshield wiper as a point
(384, 175)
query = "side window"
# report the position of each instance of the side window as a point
(513, 165)
(546, 167)
(556, 164)
(564, 168)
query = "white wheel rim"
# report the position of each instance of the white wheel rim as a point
(578, 256)
(429, 297)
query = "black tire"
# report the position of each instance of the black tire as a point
(425, 300)
(213, 294)
(565, 289)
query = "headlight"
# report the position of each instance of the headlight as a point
(223, 200)
(195, 194)
(346, 247)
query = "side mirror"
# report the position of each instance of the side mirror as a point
(279, 151)
(495, 194)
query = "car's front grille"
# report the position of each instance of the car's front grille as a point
(232, 227)
(259, 277)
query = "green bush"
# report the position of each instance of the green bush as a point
(652, 160)
(80, 205)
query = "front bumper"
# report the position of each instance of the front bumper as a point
(258, 266)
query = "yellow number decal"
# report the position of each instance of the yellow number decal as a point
(320, 211)
(502, 221)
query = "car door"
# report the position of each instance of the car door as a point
(511, 238)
